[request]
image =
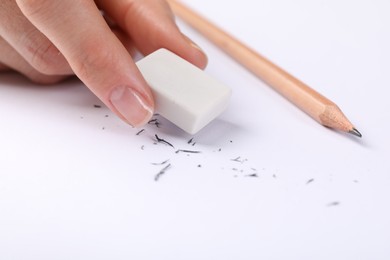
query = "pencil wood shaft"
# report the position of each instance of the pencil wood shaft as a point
(307, 99)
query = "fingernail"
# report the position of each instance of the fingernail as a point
(198, 60)
(193, 44)
(131, 105)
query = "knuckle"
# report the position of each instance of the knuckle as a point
(46, 59)
(43, 55)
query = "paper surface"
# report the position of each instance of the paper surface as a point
(269, 183)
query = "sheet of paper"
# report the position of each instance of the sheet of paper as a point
(268, 182)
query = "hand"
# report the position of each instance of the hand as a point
(49, 40)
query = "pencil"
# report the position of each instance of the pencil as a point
(320, 108)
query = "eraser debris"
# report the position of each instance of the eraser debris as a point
(183, 93)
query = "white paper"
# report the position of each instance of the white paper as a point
(78, 183)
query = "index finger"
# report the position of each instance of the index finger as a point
(151, 25)
(97, 57)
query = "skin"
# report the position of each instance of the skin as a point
(48, 41)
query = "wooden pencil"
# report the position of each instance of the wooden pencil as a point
(307, 99)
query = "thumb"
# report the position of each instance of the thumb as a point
(95, 54)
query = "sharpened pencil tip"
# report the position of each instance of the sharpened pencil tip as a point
(355, 132)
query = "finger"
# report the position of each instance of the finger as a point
(151, 25)
(95, 54)
(9, 58)
(29, 42)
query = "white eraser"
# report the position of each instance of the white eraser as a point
(183, 93)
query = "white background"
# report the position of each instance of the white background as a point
(77, 183)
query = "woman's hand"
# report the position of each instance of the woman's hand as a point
(48, 41)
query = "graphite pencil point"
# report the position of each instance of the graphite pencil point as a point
(355, 132)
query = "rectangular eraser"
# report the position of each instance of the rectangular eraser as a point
(183, 93)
